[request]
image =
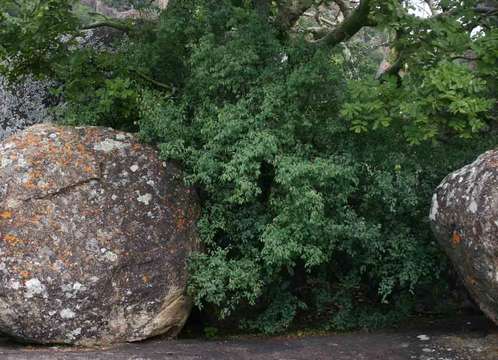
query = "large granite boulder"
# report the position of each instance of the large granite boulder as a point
(95, 232)
(464, 217)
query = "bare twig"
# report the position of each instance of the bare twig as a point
(170, 88)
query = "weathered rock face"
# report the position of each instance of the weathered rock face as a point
(94, 235)
(23, 105)
(464, 218)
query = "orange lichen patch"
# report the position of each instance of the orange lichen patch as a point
(35, 219)
(55, 225)
(81, 148)
(470, 280)
(24, 274)
(33, 179)
(12, 240)
(31, 139)
(91, 133)
(91, 212)
(456, 238)
(6, 215)
(181, 223)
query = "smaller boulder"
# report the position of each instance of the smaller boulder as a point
(464, 218)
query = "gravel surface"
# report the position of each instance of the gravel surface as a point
(463, 338)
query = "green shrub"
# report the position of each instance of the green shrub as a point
(303, 218)
(300, 215)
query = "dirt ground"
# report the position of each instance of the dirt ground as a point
(462, 338)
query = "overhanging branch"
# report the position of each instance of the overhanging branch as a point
(358, 19)
(290, 11)
(121, 26)
(169, 88)
(345, 7)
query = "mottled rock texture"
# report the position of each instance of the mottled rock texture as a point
(464, 217)
(95, 231)
(23, 104)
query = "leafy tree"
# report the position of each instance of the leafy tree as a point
(314, 175)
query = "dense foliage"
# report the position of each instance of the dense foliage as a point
(315, 178)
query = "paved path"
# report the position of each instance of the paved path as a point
(470, 338)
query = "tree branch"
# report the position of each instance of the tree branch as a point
(170, 88)
(486, 9)
(345, 7)
(320, 19)
(432, 6)
(400, 57)
(349, 27)
(289, 12)
(121, 26)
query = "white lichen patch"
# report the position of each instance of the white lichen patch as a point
(109, 255)
(109, 145)
(145, 199)
(8, 146)
(67, 314)
(13, 203)
(5, 162)
(473, 206)
(59, 265)
(423, 338)
(35, 287)
(77, 286)
(73, 334)
(434, 208)
(21, 161)
(13, 284)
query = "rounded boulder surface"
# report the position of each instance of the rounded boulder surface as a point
(464, 218)
(95, 232)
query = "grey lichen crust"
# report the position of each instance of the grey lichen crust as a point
(95, 232)
(464, 217)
